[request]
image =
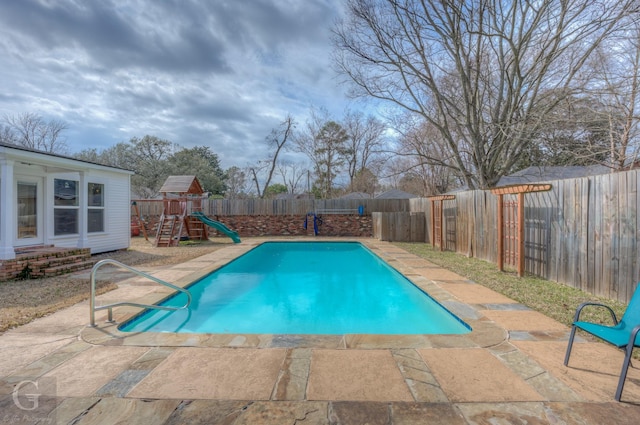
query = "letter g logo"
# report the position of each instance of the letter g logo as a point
(31, 397)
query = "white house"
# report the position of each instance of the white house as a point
(48, 199)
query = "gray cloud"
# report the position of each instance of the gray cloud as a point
(197, 72)
(115, 37)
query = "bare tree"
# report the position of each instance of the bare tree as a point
(32, 131)
(292, 175)
(306, 140)
(420, 140)
(577, 134)
(364, 146)
(7, 135)
(479, 71)
(365, 181)
(617, 68)
(277, 141)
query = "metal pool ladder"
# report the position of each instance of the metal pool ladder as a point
(92, 300)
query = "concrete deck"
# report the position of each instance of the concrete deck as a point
(508, 370)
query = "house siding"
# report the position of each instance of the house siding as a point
(117, 225)
(19, 164)
(117, 233)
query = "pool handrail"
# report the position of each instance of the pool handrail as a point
(92, 300)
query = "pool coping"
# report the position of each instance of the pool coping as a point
(484, 332)
(488, 374)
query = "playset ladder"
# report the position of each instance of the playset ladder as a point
(168, 233)
(196, 229)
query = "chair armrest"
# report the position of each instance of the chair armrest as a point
(576, 318)
(632, 336)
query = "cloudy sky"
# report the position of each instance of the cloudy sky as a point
(195, 72)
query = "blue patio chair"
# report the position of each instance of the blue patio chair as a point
(623, 334)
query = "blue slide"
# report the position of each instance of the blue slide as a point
(217, 225)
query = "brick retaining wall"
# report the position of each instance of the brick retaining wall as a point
(285, 225)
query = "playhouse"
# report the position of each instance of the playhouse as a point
(182, 214)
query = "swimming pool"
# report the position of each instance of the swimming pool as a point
(303, 288)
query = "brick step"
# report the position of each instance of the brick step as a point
(50, 252)
(46, 260)
(58, 261)
(65, 268)
(30, 248)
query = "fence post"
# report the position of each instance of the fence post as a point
(521, 234)
(500, 232)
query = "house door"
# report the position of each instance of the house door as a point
(29, 212)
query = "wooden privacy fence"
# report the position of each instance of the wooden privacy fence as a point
(228, 207)
(399, 226)
(583, 232)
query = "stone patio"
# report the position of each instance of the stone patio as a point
(508, 370)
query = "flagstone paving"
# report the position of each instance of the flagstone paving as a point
(357, 375)
(507, 370)
(218, 373)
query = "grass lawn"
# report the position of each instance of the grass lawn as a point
(549, 298)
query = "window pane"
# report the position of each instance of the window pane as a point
(95, 220)
(27, 207)
(96, 195)
(65, 221)
(65, 192)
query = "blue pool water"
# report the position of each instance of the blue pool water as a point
(304, 288)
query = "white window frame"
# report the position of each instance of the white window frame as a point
(75, 207)
(101, 208)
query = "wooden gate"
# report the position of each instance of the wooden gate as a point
(436, 219)
(511, 223)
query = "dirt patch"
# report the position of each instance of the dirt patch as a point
(25, 300)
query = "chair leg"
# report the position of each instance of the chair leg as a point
(571, 337)
(623, 372)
